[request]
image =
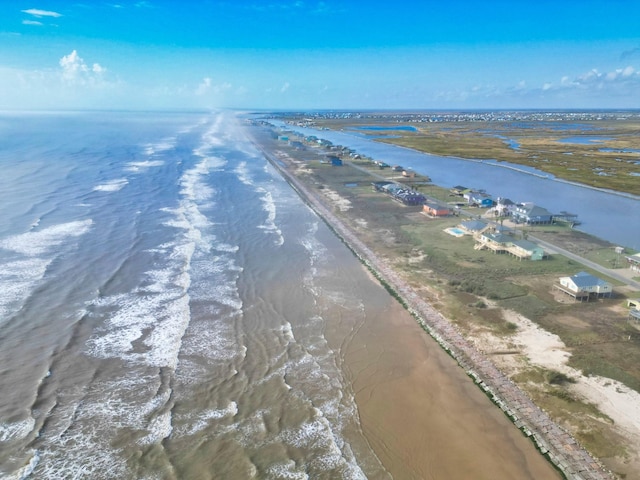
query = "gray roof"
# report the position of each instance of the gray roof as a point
(526, 245)
(474, 225)
(499, 237)
(532, 210)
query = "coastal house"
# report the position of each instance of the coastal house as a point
(527, 249)
(503, 207)
(478, 199)
(530, 213)
(335, 161)
(634, 262)
(410, 197)
(634, 310)
(434, 209)
(503, 243)
(473, 227)
(459, 190)
(379, 186)
(400, 193)
(583, 286)
(408, 173)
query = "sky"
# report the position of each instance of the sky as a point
(305, 55)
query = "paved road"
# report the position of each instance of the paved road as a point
(587, 263)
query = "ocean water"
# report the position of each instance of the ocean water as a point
(164, 298)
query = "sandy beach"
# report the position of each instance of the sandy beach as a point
(423, 416)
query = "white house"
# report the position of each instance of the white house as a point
(583, 285)
(634, 262)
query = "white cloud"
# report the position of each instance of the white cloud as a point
(285, 87)
(42, 13)
(204, 86)
(76, 71)
(592, 88)
(32, 22)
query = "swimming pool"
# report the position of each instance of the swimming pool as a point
(455, 231)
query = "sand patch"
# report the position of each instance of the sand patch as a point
(546, 350)
(337, 200)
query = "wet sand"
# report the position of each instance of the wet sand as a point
(420, 412)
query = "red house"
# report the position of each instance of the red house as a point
(434, 209)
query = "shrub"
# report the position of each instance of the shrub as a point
(559, 378)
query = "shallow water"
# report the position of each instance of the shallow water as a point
(161, 308)
(170, 308)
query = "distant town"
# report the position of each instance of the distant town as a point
(310, 118)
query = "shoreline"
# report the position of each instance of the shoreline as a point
(557, 445)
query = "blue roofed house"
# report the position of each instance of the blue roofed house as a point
(479, 199)
(583, 286)
(335, 161)
(531, 213)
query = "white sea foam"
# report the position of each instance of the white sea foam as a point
(111, 186)
(19, 277)
(243, 173)
(159, 429)
(135, 167)
(162, 146)
(206, 418)
(287, 331)
(17, 281)
(93, 424)
(38, 242)
(286, 471)
(25, 471)
(157, 320)
(16, 430)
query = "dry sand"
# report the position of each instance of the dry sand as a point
(540, 348)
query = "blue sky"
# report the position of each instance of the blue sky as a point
(289, 54)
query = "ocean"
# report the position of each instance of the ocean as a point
(163, 305)
(171, 309)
